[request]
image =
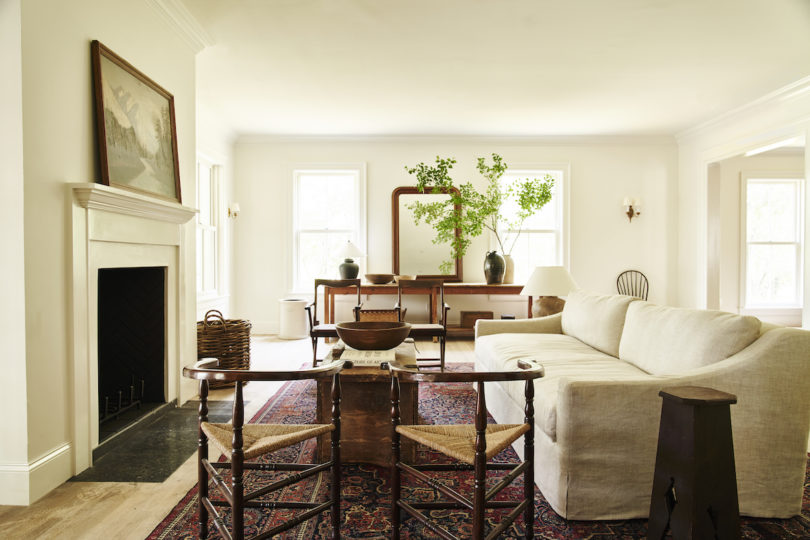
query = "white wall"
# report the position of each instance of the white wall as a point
(60, 147)
(778, 116)
(602, 172)
(13, 440)
(729, 208)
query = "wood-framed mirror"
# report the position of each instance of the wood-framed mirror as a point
(413, 248)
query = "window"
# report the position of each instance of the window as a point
(541, 242)
(329, 209)
(207, 228)
(773, 225)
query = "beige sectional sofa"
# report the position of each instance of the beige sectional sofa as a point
(597, 408)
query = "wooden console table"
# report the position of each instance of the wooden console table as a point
(450, 288)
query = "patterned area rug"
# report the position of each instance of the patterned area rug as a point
(366, 495)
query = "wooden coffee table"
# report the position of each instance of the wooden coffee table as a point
(365, 412)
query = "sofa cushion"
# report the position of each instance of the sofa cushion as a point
(561, 356)
(595, 319)
(664, 340)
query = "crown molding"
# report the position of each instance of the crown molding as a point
(528, 140)
(791, 92)
(121, 201)
(183, 22)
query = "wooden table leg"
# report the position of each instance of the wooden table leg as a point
(530, 306)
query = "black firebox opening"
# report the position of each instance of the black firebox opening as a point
(131, 345)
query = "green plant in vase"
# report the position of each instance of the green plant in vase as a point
(472, 211)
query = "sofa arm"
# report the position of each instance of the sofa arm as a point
(543, 325)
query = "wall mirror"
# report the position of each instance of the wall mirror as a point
(413, 248)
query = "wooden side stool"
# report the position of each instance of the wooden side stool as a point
(695, 485)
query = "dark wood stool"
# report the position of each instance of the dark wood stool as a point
(695, 485)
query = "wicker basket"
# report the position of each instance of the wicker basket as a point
(227, 340)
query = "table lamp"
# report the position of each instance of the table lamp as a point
(348, 268)
(548, 283)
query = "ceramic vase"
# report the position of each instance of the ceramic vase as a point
(349, 269)
(509, 272)
(494, 267)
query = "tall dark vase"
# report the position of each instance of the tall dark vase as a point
(494, 267)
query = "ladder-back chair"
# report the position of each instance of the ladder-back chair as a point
(316, 328)
(241, 443)
(473, 446)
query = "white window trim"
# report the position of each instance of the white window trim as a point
(564, 243)
(788, 310)
(218, 209)
(362, 218)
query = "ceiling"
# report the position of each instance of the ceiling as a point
(493, 68)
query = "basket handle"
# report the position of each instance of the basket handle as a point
(217, 317)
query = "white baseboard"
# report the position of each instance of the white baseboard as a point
(14, 479)
(25, 483)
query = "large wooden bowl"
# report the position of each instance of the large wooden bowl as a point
(373, 335)
(380, 279)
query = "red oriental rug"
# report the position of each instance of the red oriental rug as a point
(366, 495)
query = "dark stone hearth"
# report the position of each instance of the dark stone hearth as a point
(152, 450)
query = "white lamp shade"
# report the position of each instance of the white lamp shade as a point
(549, 281)
(235, 208)
(350, 251)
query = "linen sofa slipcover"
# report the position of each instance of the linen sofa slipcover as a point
(597, 409)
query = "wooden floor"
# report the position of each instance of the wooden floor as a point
(92, 510)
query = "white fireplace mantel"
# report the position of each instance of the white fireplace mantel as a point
(114, 228)
(111, 199)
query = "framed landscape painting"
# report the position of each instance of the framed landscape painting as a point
(137, 135)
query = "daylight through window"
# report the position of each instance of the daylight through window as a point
(328, 210)
(207, 227)
(541, 242)
(774, 224)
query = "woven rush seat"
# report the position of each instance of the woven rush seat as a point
(259, 439)
(458, 441)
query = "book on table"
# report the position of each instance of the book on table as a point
(367, 358)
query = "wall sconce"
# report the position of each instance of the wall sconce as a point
(233, 210)
(632, 207)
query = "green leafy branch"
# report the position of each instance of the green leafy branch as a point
(470, 211)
